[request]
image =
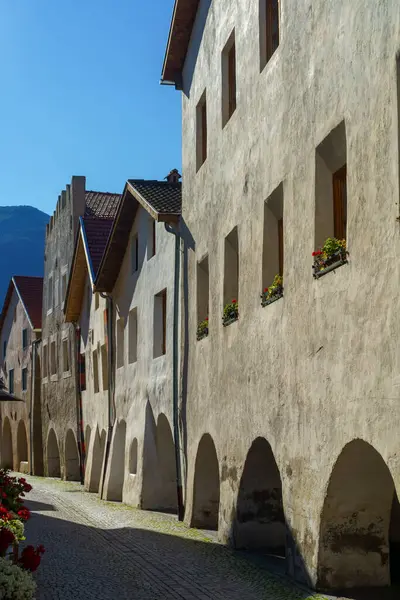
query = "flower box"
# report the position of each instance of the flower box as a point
(231, 313)
(274, 292)
(332, 255)
(202, 329)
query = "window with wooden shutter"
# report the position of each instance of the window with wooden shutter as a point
(228, 79)
(339, 182)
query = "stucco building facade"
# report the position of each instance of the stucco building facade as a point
(291, 136)
(20, 335)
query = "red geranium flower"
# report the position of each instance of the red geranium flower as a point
(206, 318)
(234, 301)
(6, 539)
(24, 514)
(265, 289)
(30, 558)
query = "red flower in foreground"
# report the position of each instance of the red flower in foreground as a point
(30, 558)
(24, 514)
(317, 253)
(234, 301)
(206, 318)
(265, 289)
(6, 539)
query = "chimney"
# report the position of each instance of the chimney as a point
(173, 176)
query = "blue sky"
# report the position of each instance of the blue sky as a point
(80, 95)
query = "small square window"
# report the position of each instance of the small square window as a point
(24, 379)
(11, 381)
(24, 338)
(228, 79)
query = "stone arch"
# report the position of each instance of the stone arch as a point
(206, 488)
(6, 445)
(53, 455)
(167, 494)
(22, 448)
(354, 544)
(117, 463)
(260, 520)
(99, 445)
(133, 457)
(71, 455)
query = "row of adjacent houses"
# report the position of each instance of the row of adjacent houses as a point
(198, 351)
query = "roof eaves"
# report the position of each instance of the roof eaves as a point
(22, 302)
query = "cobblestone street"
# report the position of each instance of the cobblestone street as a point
(98, 550)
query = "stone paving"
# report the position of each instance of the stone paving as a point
(98, 550)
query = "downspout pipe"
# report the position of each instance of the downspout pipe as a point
(79, 409)
(34, 344)
(111, 384)
(175, 371)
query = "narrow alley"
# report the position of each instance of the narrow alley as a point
(98, 550)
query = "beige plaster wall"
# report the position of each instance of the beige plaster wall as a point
(320, 367)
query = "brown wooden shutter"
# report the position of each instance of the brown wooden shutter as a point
(204, 131)
(164, 321)
(339, 183)
(280, 245)
(232, 79)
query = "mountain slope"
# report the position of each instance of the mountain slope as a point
(22, 234)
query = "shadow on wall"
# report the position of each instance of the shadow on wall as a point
(259, 525)
(194, 46)
(141, 555)
(53, 455)
(6, 445)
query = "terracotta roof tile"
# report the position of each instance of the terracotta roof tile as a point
(31, 291)
(163, 196)
(102, 205)
(97, 231)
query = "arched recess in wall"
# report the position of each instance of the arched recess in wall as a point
(360, 521)
(72, 471)
(206, 489)
(117, 464)
(167, 495)
(6, 446)
(260, 520)
(22, 445)
(133, 457)
(98, 447)
(37, 423)
(88, 433)
(53, 455)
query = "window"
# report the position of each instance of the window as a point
(82, 371)
(96, 300)
(231, 267)
(88, 300)
(120, 342)
(134, 253)
(272, 262)
(132, 333)
(4, 349)
(202, 290)
(331, 187)
(269, 29)
(63, 287)
(24, 379)
(228, 79)
(65, 350)
(104, 366)
(159, 328)
(11, 381)
(53, 362)
(151, 242)
(50, 293)
(45, 366)
(95, 372)
(201, 131)
(24, 338)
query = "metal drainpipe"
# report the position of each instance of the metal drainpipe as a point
(32, 405)
(175, 371)
(79, 409)
(110, 360)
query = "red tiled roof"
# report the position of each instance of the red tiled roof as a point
(103, 205)
(31, 292)
(96, 231)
